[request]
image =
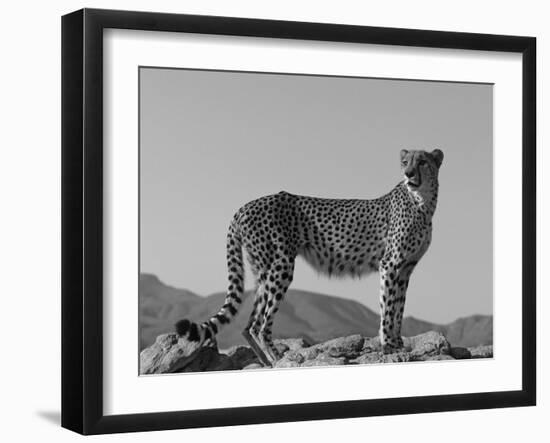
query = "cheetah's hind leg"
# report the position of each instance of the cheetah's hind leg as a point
(249, 332)
(256, 348)
(279, 279)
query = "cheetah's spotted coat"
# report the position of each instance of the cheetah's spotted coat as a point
(337, 237)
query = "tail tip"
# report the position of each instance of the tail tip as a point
(182, 327)
(189, 329)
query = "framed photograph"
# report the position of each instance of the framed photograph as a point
(269, 221)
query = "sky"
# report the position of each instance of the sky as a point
(210, 141)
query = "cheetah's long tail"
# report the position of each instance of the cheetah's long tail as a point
(233, 299)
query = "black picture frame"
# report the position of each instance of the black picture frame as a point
(82, 220)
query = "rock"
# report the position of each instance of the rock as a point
(428, 344)
(397, 357)
(439, 357)
(325, 360)
(460, 353)
(373, 345)
(296, 356)
(209, 359)
(242, 356)
(254, 366)
(292, 343)
(309, 353)
(171, 353)
(282, 348)
(379, 357)
(484, 351)
(286, 363)
(342, 346)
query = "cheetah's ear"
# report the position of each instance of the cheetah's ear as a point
(437, 154)
(402, 154)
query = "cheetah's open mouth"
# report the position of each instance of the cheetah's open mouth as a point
(413, 184)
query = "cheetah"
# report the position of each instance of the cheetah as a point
(337, 237)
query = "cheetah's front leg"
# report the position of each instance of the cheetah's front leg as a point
(403, 276)
(394, 281)
(390, 340)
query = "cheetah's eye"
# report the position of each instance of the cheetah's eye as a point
(421, 162)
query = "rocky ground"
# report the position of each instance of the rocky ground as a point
(171, 353)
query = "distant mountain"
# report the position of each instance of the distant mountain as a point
(160, 306)
(474, 330)
(312, 316)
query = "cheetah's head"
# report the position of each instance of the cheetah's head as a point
(421, 168)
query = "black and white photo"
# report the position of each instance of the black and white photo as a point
(284, 220)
